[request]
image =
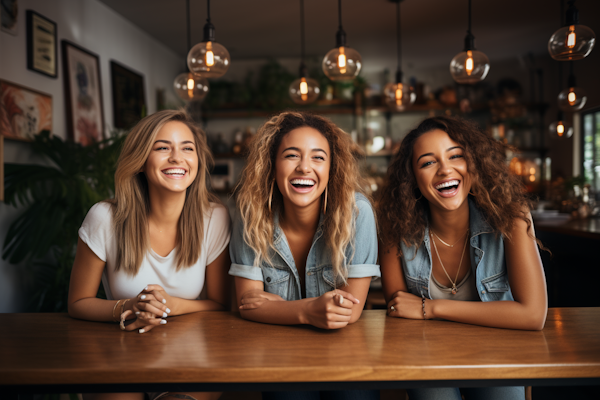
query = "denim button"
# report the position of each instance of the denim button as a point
(269, 279)
(483, 291)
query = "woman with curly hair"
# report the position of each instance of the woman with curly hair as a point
(457, 240)
(159, 242)
(304, 245)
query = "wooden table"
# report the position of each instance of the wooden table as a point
(584, 228)
(212, 351)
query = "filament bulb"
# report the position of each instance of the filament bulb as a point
(190, 84)
(469, 62)
(560, 128)
(571, 37)
(572, 97)
(342, 58)
(399, 94)
(303, 86)
(210, 56)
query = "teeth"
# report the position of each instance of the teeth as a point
(174, 171)
(305, 182)
(447, 184)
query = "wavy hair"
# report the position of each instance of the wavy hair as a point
(402, 211)
(257, 208)
(131, 204)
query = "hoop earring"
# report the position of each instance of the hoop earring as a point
(271, 195)
(420, 197)
(325, 202)
(471, 193)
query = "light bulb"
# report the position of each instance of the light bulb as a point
(399, 96)
(210, 56)
(572, 42)
(561, 129)
(304, 90)
(190, 87)
(342, 63)
(469, 62)
(572, 99)
(469, 67)
(208, 59)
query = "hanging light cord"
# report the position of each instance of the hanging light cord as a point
(189, 31)
(302, 30)
(469, 30)
(399, 42)
(208, 11)
(340, 13)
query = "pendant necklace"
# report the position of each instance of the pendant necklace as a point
(454, 288)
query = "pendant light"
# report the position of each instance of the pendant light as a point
(469, 66)
(341, 63)
(208, 58)
(187, 85)
(398, 95)
(561, 128)
(573, 41)
(303, 90)
(572, 98)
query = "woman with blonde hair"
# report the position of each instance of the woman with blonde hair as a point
(163, 236)
(304, 245)
(457, 239)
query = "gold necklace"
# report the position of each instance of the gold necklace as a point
(454, 288)
(447, 244)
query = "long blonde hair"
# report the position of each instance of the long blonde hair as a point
(259, 198)
(131, 204)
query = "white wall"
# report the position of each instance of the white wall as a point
(97, 28)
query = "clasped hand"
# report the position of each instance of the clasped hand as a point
(332, 310)
(150, 309)
(407, 305)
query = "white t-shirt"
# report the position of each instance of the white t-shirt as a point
(187, 283)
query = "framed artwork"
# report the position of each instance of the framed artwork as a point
(24, 112)
(83, 94)
(41, 44)
(129, 100)
(9, 12)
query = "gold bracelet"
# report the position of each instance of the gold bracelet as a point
(115, 319)
(123, 307)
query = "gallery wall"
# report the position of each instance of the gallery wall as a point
(97, 28)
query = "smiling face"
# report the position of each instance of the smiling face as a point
(441, 170)
(173, 161)
(302, 167)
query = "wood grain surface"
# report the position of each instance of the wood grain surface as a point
(221, 347)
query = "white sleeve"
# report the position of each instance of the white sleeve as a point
(96, 229)
(218, 233)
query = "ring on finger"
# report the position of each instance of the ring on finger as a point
(122, 324)
(392, 308)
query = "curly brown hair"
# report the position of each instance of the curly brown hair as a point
(259, 198)
(403, 212)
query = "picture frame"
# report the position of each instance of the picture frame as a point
(9, 16)
(24, 112)
(128, 93)
(83, 94)
(41, 44)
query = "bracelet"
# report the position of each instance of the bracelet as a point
(123, 307)
(424, 313)
(115, 319)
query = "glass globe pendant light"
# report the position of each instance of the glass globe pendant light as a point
(342, 63)
(572, 98)
(187, 85)
(399, 95)
(573, 41)
(208, 58)
(561, 128)
(303, 90)
(469, 66)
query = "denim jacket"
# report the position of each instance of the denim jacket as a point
(487, 260)
(282, 277)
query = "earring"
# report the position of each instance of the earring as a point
(271, 195)
(420, 197)
(325, 202)
(471, 193)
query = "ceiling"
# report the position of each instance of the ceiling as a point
(432, 30)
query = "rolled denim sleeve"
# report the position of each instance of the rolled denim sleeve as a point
(364, 262)
(242, 256)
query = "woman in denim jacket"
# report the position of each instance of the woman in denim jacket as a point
(304, 245)
(457, 239)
